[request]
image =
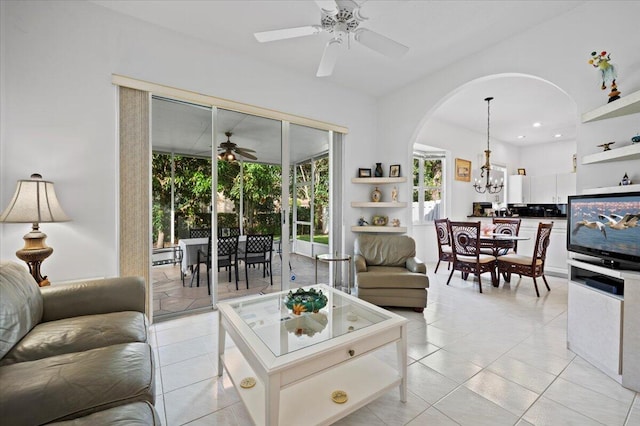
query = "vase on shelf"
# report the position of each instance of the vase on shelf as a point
(376, 195)
(378, 171)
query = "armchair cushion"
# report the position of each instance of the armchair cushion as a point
(388, 250)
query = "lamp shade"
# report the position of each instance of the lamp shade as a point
(34, 201)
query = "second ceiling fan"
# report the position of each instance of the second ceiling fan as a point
(341, 19)
(228, 150)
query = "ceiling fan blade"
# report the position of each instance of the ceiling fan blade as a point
(286, 33)
(247, 155)
(380, 43)
(245, 149)
(328, 6)
(329, 58)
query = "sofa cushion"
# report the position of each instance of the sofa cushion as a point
(78, 334)
(20, 304)
(134, 414)
(388, 250)
(72, 385)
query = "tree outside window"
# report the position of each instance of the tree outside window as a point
(428, 187)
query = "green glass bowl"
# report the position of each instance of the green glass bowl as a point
(302, 301)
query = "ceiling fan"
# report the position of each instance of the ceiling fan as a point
(340, 18)
(228, 150)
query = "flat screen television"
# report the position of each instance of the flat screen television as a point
(607, 227)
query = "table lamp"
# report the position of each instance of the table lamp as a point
(34, 202)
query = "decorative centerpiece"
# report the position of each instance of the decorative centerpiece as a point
(376, 195)
(301, 301)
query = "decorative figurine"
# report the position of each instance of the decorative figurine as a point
(395, 222)
(376, 195)
(378, 171)
(635, 139)
(608, 72)
(394, 194)
(625, 180)
(606, 146)
(362, 222)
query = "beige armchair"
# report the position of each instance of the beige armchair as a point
(388, 273)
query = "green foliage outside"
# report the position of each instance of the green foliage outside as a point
(432, 178)
(261, 189)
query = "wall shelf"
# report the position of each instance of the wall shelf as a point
(629, 152)
(612, 189)
(629, 104)
(379, 204)
(379, 180)
(382, 229)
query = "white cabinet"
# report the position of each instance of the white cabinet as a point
(552, 189)
(603, 327)
(384, 185)
(518, 189)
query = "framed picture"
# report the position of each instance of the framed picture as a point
(394, 170)
(463, 170)
(364, 172)
(522, 172)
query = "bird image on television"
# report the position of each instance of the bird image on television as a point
(591, 225)
(616, 221)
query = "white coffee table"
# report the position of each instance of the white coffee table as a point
(298, 361)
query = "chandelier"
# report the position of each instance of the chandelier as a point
(492, 187)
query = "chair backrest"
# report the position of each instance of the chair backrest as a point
(229, 232)
(227, 246)
(259, 244)
(465, 238)
(442, 232)
(199, 233)
(542, 241)
(509, 227)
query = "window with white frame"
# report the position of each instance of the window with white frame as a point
(428, 186)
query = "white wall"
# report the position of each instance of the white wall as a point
(59, 113)
(547, 159)
(556, 51)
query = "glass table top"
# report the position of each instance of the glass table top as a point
(284, 332)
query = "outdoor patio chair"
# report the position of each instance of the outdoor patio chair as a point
(229, 232)
(199, 233)
(227, 258)
(258, 251)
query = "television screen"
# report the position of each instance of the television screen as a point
(605, 225)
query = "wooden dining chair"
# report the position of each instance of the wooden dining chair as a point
(507, 226)
(258, 251)
(529, 266)
(444, 242)
(465, 242)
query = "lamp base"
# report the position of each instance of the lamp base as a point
(34, 252)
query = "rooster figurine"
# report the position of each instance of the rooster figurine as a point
(608, 72)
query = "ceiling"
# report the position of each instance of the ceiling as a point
(438, 33)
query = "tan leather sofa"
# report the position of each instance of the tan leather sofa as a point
(74, 352)
(388, 273)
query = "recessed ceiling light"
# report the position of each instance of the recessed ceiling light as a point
(520, 136)
(557, 135)
(537, 124)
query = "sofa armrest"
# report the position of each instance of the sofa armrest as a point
(360, 263)
(93, 297)
(415, 265)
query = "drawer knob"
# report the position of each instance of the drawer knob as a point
(352, 352)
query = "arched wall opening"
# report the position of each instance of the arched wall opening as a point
(457, 126)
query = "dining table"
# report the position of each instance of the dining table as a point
(498, 243)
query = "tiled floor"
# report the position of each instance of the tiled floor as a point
(497, 358)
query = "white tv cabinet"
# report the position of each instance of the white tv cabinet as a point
(604, 328)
